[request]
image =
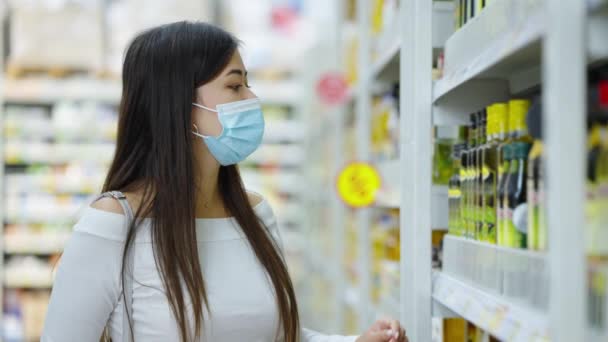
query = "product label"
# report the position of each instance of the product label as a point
(512, 236)
(520, 218)
(454, 193)
(533, 216)
(485, 172)
(593, 219)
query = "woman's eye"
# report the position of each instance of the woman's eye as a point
(236, 87)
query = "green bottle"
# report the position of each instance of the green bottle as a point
(516, 206)
(501, 112)
(477, 177)
(490, 175)
(455, 193)
(503, 193)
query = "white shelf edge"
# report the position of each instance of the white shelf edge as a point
(388, 195)
(384, 60)
(500, 317)
(266, 90)
(42, 90)
(41, 251)
(26, 285)
(498, 50)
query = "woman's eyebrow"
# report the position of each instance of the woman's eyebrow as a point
(236, 72)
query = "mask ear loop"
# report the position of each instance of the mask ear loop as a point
(197, 133)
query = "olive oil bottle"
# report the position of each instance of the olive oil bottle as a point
(490, 175)
(501, 111)
(592, 206)
(470, 179)
(503, 193)
(516, 214)
(478, 191)
(537, 226)
(455, 193)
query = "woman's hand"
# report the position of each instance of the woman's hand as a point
(384, 330)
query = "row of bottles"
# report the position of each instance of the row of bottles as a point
(596, 208)
(489, 187)
(497, 191)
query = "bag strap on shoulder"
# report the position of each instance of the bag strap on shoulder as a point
(127, 276)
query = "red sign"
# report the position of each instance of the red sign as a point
(332, 88)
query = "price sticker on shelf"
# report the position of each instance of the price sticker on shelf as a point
(357, 184)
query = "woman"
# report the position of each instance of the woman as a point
(202, 259)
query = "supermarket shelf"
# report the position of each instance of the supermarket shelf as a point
(351, 297)
(35, 243)
(520, 275)
(598, 26)
(501, 42)
(284, 131)
(386, 308)
(74, 183)
(282, 182)
(279, 92)
(439, 207)
(30, 250)
(319, 266)
(386, 67)
(443, 23)
(388, 195)
(17, 153)
(279, 155)
(502, 318)
(9, 284)
(41, 90)
(351, 94)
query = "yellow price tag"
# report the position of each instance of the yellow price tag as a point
(358, 184)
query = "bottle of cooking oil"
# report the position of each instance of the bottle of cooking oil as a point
(602, 172)
(478, 191)
(515, 233)
(537, 228)
(518, 110)
(503, 194)
(479, 220)
(455, 193)
(470, 179)
(490, 174)
(592, 206)
(464, 188)
(516, 213)
(501, 111)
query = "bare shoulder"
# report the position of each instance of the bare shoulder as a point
(110, 204)
(254, 198)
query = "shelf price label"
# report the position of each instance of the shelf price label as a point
(357, 184)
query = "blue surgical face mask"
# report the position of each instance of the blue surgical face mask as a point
(242, 131)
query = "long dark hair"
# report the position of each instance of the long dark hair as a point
(162, 69)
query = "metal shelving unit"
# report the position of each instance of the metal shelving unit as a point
(511, 47)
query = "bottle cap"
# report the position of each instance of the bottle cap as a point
(517, 114)
(502, 114)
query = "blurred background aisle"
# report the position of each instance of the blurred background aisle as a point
(450, 228)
